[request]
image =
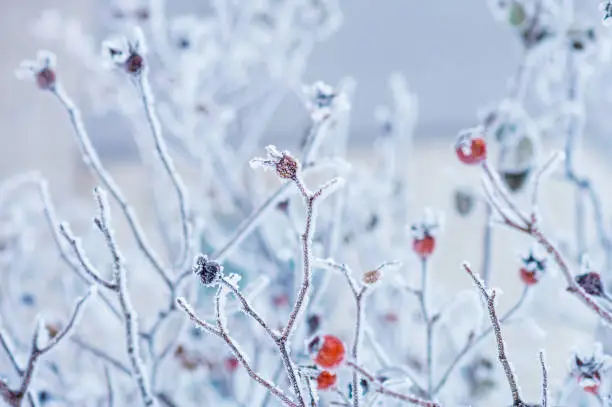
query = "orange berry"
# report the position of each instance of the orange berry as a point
(325, 380)
(424, 247)
(330, 352)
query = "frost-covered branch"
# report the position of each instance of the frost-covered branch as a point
(544, 380)
(144, 89)
(501, 350)
(38, 348)
(129, 314)
(382, 389)
(91, 158)
(529, 225)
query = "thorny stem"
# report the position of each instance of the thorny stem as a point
(147, 98)
(15, 397)
(129, 314)
(544, 381)
(473, 341)
(503, 358)
(380, 388)
(92, 159)
(309, 199)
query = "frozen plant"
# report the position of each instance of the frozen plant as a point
(320, 291)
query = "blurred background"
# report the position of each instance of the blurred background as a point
(455, 57)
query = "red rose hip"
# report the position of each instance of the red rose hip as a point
(528, 277)
(326, 380)
(424, 247)
(471, 150)
(328, 350)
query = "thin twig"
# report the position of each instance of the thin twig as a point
(380, 388)
(423, 296)
(147, 98)
(129, 314)
(15, 397)
(109, 388)
(530, 227)
(544, 381)
(86, 265)
(91, 158)
(109, 360)
(503, 358)
(474, 340)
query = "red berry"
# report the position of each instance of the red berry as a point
(134, 64)
(529, 277)
(231, 364)
(424, 247)
(325, 380)
(281, 300)
(590, 384)
(330, 353)
(391, 317)
(472, 150)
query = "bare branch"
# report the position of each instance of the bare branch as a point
(146, 95)
(91, 158)
(380, 388)
(544, 381)
(503, 358)
(129, 314)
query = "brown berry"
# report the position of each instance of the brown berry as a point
(45, 79)
(371, 277)
(287, 167)
(134, 64)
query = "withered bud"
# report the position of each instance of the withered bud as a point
(283, 205)
(209, 271)
(371, 277)
(314, 323)
(52, 330)
(134, 64)
(287, 167)
(45, 79)
(591, 283)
